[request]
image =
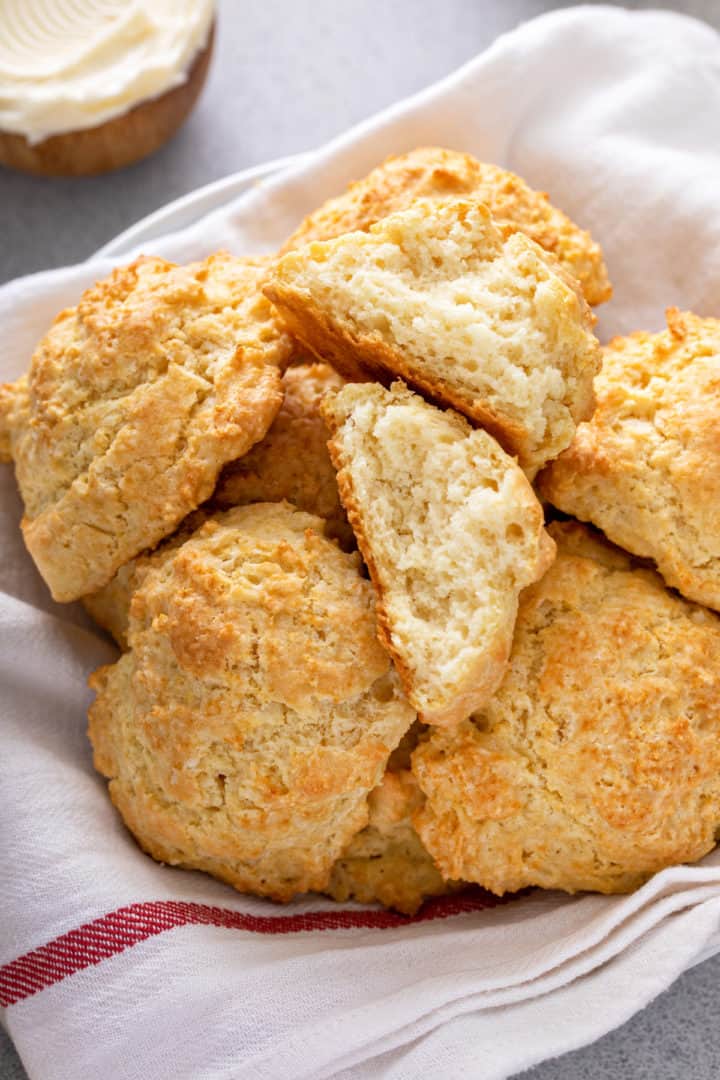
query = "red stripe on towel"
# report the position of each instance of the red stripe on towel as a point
(119, 930)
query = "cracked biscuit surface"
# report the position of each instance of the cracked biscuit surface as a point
(597, 763)
(292, 461)
(451, 532)
(435, 172)
(110, 606)
(255, 710)
(436, 294)
(9, 393)
(646, 467)
(134, 401)
(387, 862)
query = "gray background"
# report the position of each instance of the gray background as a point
(287, 76)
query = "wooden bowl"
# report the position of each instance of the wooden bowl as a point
(118, 142)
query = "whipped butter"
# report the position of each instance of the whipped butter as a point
(66, 65)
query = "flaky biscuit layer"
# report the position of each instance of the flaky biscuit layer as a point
(451, 531)
(475, 318)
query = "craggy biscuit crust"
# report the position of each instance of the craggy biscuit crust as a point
(292, 461)
(134, 401)
(255, 710)
(9, 394)
(646, 467)
(110, 606)
(434, 172)
(597, 763)
(387, 862)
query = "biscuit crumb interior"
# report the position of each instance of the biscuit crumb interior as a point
(439, 283)
(451, 530)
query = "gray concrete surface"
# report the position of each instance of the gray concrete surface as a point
(287, 76)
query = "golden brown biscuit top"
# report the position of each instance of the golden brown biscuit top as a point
(8, 398)
(645, 467)
(126, 332)
(644, 373)
(627, 677)
(259, 592)
(598, 760)
(435, 172)
(255, 710)
(110, 606)
(292, 461)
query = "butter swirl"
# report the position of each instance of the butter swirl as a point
(67, 65)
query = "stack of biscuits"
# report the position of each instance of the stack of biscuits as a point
(415, 585)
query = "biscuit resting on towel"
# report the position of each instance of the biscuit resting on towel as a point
(597, 762)
(646, 467)
(255, 710)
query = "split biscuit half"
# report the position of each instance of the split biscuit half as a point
(451, 532)
(475, 318)
(434, 172)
